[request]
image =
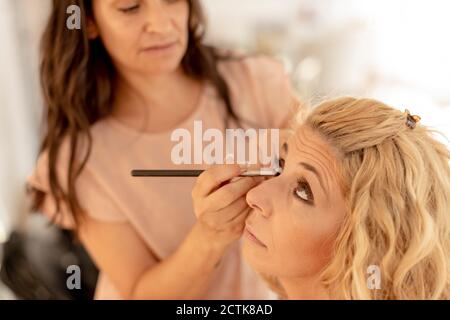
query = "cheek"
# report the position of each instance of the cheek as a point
(118, 38)
(120, 43)
(180, 22)
(302, 242)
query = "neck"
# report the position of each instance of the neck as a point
(136, 93)
(308, 288)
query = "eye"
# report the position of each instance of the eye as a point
(131, 9)
(303, 191)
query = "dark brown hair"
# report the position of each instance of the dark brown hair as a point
(77, 78)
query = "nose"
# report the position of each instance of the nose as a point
(157, 20)
(259, 199)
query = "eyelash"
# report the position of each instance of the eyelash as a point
(137, 6)
(130, 9)
(302, 183)
(281, 163)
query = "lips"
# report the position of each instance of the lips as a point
(161, 46)
(251, 236)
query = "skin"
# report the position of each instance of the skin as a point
(296, 226)
(145, 87)
(147, 77)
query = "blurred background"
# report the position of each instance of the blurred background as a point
(393, 50)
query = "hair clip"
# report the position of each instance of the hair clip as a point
(411, 121)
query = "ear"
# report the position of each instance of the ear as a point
(92, 30)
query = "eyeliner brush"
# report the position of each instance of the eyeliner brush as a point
(264, 172)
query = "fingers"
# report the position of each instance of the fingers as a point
(229, 213)
(237, 224)
(224, 219)
(219, 199)
(227, 194)
(212, 178)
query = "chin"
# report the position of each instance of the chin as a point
(159, 64)
(160, 69)
(256, 259)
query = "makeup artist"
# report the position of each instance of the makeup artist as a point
(113, 92)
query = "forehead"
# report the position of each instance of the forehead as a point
(307, 146)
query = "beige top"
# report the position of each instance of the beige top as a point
(160, 209)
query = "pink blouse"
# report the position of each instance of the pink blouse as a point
(160, 209)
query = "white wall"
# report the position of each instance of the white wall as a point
(393, 50)
(21, 22)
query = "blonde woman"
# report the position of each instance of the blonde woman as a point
(365, 191)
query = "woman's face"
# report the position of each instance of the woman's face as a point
(296, 215)
(145, 36)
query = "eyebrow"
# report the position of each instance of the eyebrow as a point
(285, 147)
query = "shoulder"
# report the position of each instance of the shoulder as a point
(61, 157)
(46, 159)
(251, 68)
(260, 89)
(96, 150)
(96, 200)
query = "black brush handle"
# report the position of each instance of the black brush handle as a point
(166, 173)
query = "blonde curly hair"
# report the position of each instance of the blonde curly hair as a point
(396, 182)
